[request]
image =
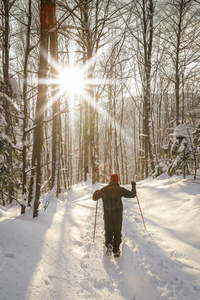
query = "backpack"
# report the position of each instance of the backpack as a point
(112, 199)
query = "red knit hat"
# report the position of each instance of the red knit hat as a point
(114, 177)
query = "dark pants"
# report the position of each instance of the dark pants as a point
(113, 227)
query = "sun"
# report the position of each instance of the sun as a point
(72, 80)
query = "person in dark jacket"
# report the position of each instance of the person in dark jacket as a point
(113, 212)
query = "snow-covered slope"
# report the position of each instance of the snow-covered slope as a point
(54, 257)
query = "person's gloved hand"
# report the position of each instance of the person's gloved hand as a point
(133, 184)
(96, 192)
(95, 196)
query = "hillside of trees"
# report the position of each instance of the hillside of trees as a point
(94, 87)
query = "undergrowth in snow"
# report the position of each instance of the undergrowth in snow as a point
(54, 256)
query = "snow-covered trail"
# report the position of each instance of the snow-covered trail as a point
(54, 257)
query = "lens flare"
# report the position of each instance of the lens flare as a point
(72, 81)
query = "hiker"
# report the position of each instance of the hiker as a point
(113, 210)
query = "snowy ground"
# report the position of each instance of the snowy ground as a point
(54, 257)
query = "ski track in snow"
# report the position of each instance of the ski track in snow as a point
(54, 257)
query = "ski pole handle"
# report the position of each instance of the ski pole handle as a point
(140, 211)
(95, 221)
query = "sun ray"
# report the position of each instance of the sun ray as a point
(75, 80)
(107, 117)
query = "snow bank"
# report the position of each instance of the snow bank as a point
(2, 211)
(9, 212)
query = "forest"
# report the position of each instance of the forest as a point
(94, 87)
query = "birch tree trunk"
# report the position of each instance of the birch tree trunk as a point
(148, 14)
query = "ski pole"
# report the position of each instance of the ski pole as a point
(95, 221)
(140, 211)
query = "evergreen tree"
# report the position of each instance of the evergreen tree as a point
(182, 151)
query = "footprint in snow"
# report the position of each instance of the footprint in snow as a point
(10, 255)
(137, 220)
(196, 288)
(46, 282)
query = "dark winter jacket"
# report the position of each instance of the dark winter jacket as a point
(112, 194)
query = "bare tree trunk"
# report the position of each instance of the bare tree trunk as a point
(56, 110)
(39, 116)
(80, 154)
(86, 140)
(177, 64)
(47, 156)
(116, 148)
(96, 145)
(6, 105)
(24, 177)
(148, 41)
(126, 165)
(92, 130)
(106, 156)
(121, 140)
(136, 161)
(6, 48)
(63, 162)
(66, 149)
(84, 17)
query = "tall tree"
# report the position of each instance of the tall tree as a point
(7, 89)
(148, 30)
(142, 33)
(55, 97)
(181, 35)
(25, 116)
(40, 107)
